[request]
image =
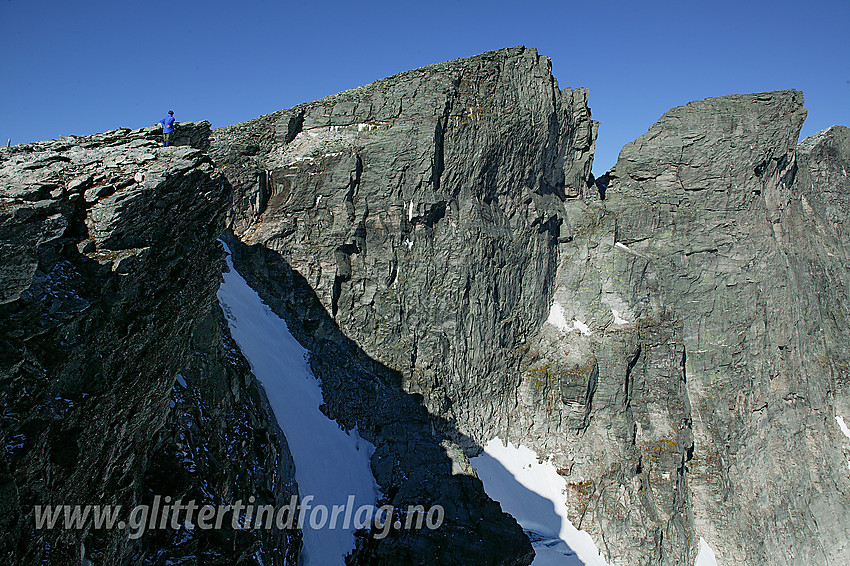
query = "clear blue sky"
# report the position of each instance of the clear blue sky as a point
(79, 67)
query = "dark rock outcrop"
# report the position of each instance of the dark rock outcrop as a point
(220, 444)
(108, 276)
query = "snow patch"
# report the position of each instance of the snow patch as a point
(705, 557)
(409, 243)
(581, 327)
(556, 317)
(843, 426)
(617, 318)
(330, 464)
(535, 495)
(410, 212)
(622, 246)
(559, 321)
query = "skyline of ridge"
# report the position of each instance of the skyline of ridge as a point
(77, 69)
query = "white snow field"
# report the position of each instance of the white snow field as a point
(330, 464)
(843, 426)
(534, 494)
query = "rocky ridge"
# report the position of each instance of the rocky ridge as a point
(674, 337)
(108, 276)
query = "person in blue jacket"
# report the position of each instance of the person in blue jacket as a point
(167, 128)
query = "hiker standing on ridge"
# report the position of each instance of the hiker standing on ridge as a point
(167, 127)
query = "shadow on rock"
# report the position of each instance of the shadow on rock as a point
(414, 463)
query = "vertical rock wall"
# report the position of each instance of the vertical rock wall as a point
(408, 231)
(424, 210)
(712, 283)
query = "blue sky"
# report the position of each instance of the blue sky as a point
(79, 67)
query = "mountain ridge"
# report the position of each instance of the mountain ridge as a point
(415, 234)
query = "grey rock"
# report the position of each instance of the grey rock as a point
(80, 183)
(95, 193)
(417, 226)
(423, 213)
(705, 276)
(728, 286)
(414, 233)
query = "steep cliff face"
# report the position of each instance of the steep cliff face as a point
(424, 211)
(108, 277)
(419, 217)
(712, 281)
(758, 279)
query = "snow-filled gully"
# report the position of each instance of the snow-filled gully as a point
(331, 465)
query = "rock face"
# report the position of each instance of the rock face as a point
(715, 205)
(108, 278)
(674, 337)
(698, 341)
(713, 282)
(423, 211)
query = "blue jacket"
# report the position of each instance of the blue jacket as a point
(167, 124)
